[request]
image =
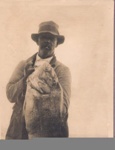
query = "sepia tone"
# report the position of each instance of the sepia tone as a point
(88, 51)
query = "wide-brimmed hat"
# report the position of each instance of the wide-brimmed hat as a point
(48, 27)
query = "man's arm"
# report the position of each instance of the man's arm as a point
(64, 77)
(16, 88)
(16, 84)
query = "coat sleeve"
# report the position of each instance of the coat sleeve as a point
(64, 77)
(16, 85)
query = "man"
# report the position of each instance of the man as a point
(47, 38)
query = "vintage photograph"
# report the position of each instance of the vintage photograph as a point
(56, 69)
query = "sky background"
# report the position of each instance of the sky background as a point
(88, 51)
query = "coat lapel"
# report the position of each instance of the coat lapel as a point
(32, 60)
(53, 61)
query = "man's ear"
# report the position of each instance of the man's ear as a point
(57, 43)
(37, 41)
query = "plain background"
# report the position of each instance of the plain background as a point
(88, 51)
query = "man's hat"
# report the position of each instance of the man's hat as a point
(48, 27)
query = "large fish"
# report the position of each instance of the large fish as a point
(43, 103)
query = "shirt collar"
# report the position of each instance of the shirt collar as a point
(35, 57)
(46, 59)
(40, 61)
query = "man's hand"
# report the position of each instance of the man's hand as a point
(28, 69)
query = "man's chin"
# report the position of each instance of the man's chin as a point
(42, 55)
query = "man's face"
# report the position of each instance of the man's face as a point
(47, 43)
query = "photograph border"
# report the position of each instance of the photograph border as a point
(64, 143)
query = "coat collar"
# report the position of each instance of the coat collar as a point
(32, 59)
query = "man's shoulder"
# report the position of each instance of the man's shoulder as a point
(31, 58)
(63, 72)
(62, 67)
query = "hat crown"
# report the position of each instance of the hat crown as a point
(51, 23)
(48, 26)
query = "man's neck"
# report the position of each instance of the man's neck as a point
(51, 56)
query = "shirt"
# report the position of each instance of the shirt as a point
(39, 61)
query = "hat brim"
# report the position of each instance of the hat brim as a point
(60, 38)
